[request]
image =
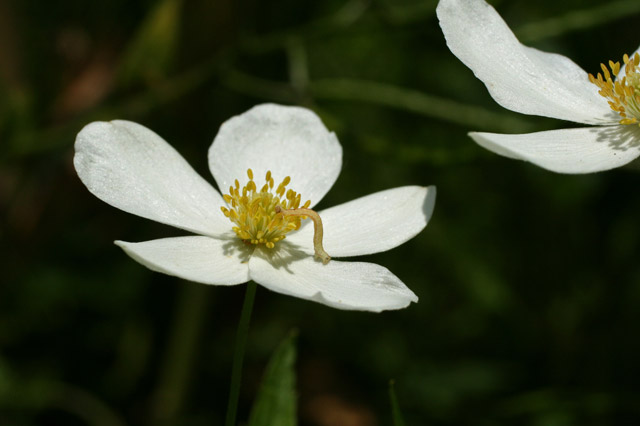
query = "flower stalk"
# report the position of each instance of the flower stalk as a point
(238, 353)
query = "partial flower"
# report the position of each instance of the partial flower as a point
(273, 164)
(529, 81)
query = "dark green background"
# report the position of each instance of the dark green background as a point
(529, 281)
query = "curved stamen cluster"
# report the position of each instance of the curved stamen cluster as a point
(624, 94)
(254, 212)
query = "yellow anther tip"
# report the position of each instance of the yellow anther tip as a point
(623, 95)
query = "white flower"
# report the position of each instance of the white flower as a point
(529, 81)
(133, 169)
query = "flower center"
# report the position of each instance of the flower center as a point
(623, 95)
(266, 216)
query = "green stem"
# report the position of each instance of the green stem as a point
(395, 407)
(238, 355)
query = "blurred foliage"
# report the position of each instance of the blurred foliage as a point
(529, 282)
(152, 48)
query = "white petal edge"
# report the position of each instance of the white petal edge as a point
(581, 150)
(196, 258)
(623, 67)
(342, 285)
(520, 78)
(132, 168)
(289, 141)
(371, 224)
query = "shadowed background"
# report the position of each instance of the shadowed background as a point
(529, 282)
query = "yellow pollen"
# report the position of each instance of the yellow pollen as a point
(267, 215)
(623, 94)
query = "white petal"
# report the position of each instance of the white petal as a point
(132, 168)
(623, 68)
(289, 141)
(581, 150)
(201, 259)
(518, 77)
(342, 285)
(371, 224)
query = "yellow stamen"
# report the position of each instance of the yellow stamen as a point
(253, 210)
(623, 94)
(317, 229)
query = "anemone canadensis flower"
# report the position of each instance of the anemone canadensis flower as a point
(529, 81)
(274, 163)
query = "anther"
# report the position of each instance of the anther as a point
(252, 209)
(623, 95)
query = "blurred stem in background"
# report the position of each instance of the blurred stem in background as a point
(576, 20)
(238, 353)
(176, 372)
(374, 93)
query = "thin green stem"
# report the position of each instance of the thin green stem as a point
(238, 355)
(395, 407)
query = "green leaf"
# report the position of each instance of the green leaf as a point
(276, 401)
(395, 407)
